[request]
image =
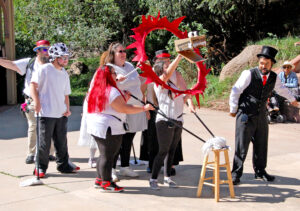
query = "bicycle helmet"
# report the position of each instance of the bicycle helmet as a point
(58, 50)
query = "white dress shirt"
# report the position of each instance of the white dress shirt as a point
(243, 82)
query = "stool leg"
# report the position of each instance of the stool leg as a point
(202, 176)
(217, 175)
(231, 189)
(214, 179)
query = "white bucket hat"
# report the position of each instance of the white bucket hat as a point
(288, 63)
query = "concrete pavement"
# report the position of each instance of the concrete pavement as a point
(76, 192)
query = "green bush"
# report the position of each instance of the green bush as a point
(80, 84)
(217, 90)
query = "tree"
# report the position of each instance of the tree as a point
(85, 25)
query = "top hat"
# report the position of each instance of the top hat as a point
(162, 54)
(41, 44)
(268, 52)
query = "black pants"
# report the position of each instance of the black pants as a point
(168, 138)
(125, 150)
(56, 129)
(149, 144)
(256, 130)
(108, 149)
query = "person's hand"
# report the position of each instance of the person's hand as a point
(192, 108)
(37, 107)
(120, 78)
(295, 103)
(232, 114)
(148, 107)
(148, 115)
(67, 113)
(127, 95)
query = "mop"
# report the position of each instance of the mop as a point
(36, 180)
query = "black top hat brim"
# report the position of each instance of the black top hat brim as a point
(266, 56)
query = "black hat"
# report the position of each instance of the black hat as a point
(162, 54)
(268, 52)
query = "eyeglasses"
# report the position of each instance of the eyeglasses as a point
(113, 73)
(122, 51)
(286, 67)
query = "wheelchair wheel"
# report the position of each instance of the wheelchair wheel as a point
(284, 118)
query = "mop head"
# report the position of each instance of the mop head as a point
(214, 143)
(31, 182)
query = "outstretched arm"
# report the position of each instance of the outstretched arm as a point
(120, 106)
(9, 65)
(172, 67)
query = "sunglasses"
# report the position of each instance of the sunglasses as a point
(286, 67)
(43, 49)
(122, 51)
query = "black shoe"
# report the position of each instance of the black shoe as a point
(236, 180)
(149, 170)
(52, 158)
(29, 159)
(173, 172)
(67, 170)
(264, 176)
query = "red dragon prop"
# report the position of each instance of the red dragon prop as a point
(149, 24)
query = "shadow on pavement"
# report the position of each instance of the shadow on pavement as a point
(14, 125)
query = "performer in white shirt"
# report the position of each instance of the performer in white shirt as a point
(106, 122)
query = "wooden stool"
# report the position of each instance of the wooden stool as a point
(216, 174)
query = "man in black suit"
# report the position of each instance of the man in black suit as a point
(248, 100)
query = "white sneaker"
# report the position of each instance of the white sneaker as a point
(126, 171)
(92, 163)
(114, 176)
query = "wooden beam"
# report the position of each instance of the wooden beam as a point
(9, 37)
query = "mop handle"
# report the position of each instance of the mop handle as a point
(203, 124)
(169, 119)
(37, 156)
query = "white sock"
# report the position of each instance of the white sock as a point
(151, 180)
(167, 178)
